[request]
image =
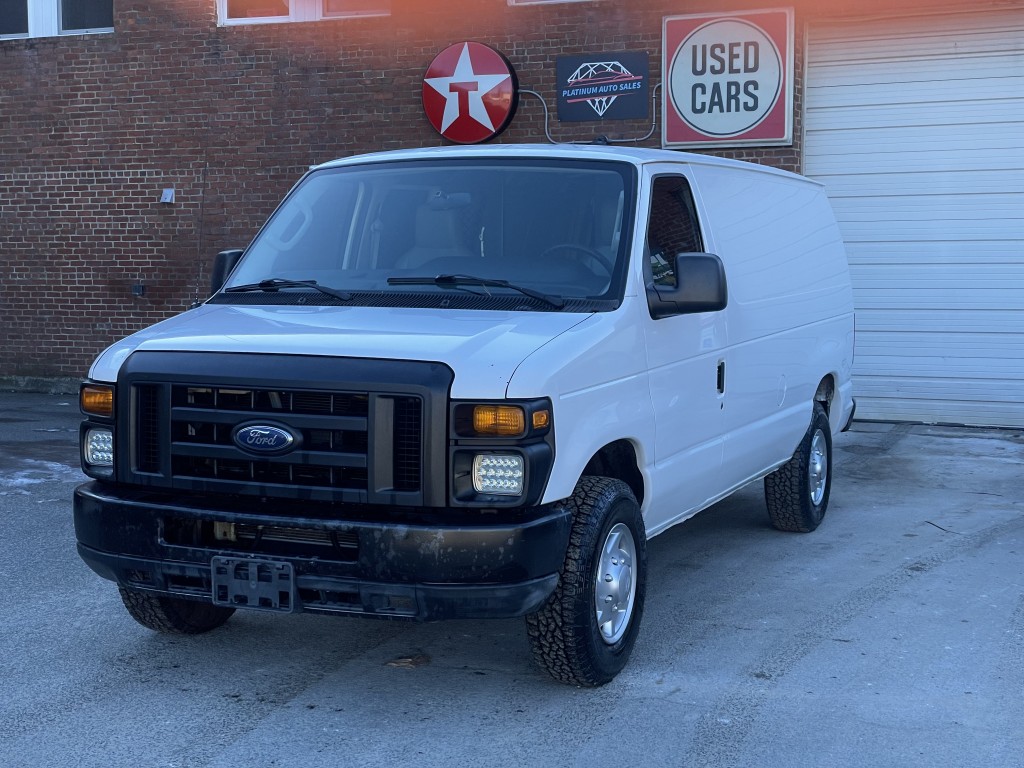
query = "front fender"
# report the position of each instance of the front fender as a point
(596, 377)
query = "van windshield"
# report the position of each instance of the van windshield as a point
(382, 232)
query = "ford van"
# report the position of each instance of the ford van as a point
(472, 383)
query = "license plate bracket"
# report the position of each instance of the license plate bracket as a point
(255, 584)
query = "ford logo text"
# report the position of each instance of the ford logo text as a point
(264, 438)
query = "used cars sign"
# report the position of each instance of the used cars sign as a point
(729, 79)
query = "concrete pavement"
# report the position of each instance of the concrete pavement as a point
(892, 636)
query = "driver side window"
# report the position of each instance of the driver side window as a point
(671, 227)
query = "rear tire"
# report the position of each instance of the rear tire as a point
(797, 492)
(172, 615)
(585, 632)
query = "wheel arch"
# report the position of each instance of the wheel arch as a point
(825, 392)
(837, 400)
(619, 460)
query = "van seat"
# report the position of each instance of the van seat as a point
(438, 236)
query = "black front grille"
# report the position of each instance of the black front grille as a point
(363, 431)
(147, 414)
(338, 546)
(332, 431)
(408, 428)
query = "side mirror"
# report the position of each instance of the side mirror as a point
(223, 263)
(700, 287)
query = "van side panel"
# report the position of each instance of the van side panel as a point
(790, 313)
(596, 377)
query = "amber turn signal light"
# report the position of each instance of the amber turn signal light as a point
(97, 400)
(541, 420)
(504, 420)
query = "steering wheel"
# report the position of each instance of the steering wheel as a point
(606, 264)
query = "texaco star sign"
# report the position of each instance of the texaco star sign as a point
(470, 93)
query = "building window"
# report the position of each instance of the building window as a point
(269, 11)
(546, 2)
(13, 18)
(48, 18)
(86, 15)
(257, 9)
(334, 8)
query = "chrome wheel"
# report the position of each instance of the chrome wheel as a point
(817, 470)
(615, 588)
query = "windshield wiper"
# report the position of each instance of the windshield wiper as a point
(452, 281)
(273, 283)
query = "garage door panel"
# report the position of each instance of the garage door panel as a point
(946, 320)
(995, 64)
(934, 410)
(881, 161)
(891, 40)
(939, 208)
(890, 298)
(916, 127)
(981, 132)
(944, 279)
(948, 234)
(938, 367)
(957, 117)
(924, 253)
(1008, 392)
(877, 45)
(887, 184)
(921, 92)
(984, 350)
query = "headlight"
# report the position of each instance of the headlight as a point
(500, 452)
(98, 447)
(503, 420)
(498, 474)
(512, 420)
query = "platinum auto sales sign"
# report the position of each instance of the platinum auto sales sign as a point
(729, 79)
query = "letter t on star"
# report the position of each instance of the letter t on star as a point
(464, 81)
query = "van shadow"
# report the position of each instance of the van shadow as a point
(267, 659)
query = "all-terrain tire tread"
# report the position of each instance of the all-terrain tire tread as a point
(173, 616)
(785, 490)
(559, 646)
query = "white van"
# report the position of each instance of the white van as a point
(472, 382)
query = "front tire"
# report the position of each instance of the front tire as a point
(172, 615)
(797, 492)
(585, 632)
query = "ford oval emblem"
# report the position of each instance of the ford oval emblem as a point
(264, 438)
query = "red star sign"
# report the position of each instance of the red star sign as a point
(470, 93)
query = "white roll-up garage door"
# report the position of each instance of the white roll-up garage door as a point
(916, 127)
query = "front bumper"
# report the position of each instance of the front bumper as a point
(426, 564)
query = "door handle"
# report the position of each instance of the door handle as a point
(721, 377)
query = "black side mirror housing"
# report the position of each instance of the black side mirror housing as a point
(223, 263)
(700, 287)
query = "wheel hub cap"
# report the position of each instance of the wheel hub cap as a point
(818, 468)
(615, 588)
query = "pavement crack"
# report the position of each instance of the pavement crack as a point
(947, 530)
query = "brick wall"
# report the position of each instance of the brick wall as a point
(93, 127)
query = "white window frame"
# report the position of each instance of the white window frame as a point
(298, 10)
(44, 21)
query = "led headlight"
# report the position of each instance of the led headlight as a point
(498, 474)
(98, 447)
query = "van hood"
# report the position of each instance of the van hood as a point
(482, 347)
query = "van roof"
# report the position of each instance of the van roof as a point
(635, 155)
